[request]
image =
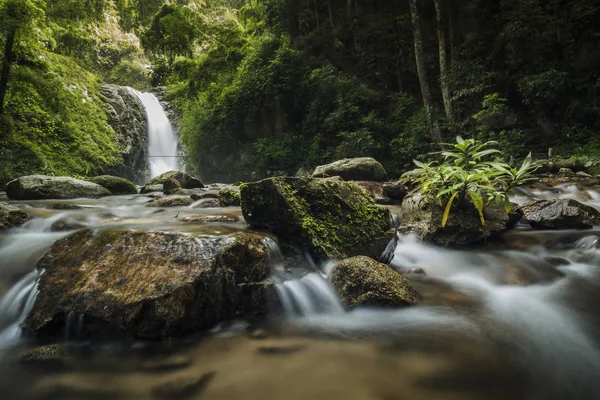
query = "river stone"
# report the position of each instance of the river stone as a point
(38, 187)
(172, 186)
(208, 203)
(146, 284)
(171, 201)
(11, 216)
(362, 281)
(127, 116)
(330, 217)
(353, 169)
(230, 195)
(186, 181)
(462, 228)
(560, 214)
(152, 188)
(116, 185)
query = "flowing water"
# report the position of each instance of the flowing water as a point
(163, 152)
(519, 320)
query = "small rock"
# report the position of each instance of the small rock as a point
(560, 214)
(171, 201)
(353, 169)
(280, 350)
(221, 218)
(394, 191)
(53, 355)
(417, 271)
(116, 185)
(186, 181)
(208, 203)
(11, 216)
(166, 364)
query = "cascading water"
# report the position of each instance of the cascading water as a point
(163, 153)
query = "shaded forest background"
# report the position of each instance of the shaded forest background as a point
(271, 86)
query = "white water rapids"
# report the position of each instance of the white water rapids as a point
(163, 152)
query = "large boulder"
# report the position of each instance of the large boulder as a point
(148, 284)
(362, 281)
(127, 116)
(560, 214)
(11, 216)
(424, 218)
(353, 169)
(38, 187)
(332, 218)
(116, 185)
(186, 181)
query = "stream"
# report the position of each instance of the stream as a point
(519, 319)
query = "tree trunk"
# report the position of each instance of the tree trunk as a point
(440, 14)
(452, 9)
(4, 75)
(434, 127)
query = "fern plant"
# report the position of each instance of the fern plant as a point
(469, 172)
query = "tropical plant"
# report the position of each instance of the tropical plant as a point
(467, 173)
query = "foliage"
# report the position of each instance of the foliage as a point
(468, 174)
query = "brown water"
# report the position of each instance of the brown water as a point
(520, 322)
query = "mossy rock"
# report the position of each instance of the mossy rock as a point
(38, 187)
(172, 186)
(145, 283)
(231, 196)
(332, 218)
(11, 216)
(116, 185)
(152, 188)
(362, 281)
(185, 180)
(353, 169)
(464, 227)
(171, 201)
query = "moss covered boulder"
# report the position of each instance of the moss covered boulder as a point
(424, 218)
(332, 218)
(230, 195)
(362, 281)
(116, 185)
(148, 284)
(354, 169)
(38, 187)
(186, 181)
(152, 188)
(11, 216)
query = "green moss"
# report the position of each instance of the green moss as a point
(334, 219)
(230, 197)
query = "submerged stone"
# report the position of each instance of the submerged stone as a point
(116, 185)
(38, 187)
(332, 218)
(353, 169)
(11, 216)
(362, 281)
(147, 284)
(560, 214)
(171, 201)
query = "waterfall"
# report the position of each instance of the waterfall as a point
(163, 155)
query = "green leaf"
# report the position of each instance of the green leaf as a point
(478, 203)
(447, 210)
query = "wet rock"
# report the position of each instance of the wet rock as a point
(68, 224)
(52, 355)
(417, 271)
(38, 187)
(208, 203)
(146, 284)
(463, 226)
(194, 219)
(255, 298)
(171, 186)
(394, 191)
(152, 188)
(171, 201)
(186, 181)
(116, 185)
(373, 189)
(11, 216)
(205, 195)
(362, 281)
(64, 206)
(127, 116)
(230, 196)
(332, 218)
(353, 169)
(560, 214)
(281, 350)
(183, 388)
(221, 218)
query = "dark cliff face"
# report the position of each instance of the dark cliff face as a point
(127, 116)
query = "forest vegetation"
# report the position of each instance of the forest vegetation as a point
(271, 86)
